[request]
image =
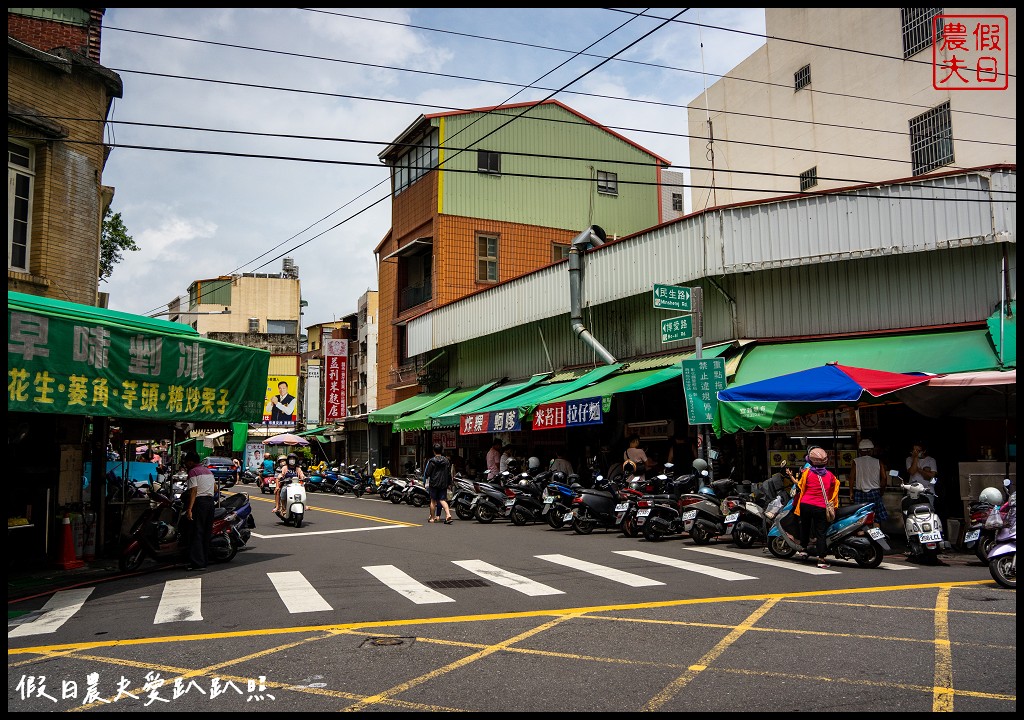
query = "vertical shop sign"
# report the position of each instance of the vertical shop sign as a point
(335, 380)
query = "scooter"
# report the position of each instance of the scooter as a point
(921, 523)
(1002, 558)
(528, 506)
(464, 490)
(348, 481)
(268, 484)
(978, 537)
(747, 522)
(293, 498)
(237, 511)
(495, 499)
(415, 493)
(704, 512)
(851, 536)
(661, 515)
(600, 506)
(159, 533)
(557, 498)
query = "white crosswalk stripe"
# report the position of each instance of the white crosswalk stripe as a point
(57, 611)
(404, 585)
(506, 578)
(619, 576)
(759, 560)
(180, 601)
(296, 592)
(684, 565)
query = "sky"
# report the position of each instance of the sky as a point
(279, 115)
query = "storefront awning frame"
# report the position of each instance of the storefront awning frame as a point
(422, 419)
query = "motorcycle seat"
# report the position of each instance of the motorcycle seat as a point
(847, 510)
(220, 512)
(600, 493)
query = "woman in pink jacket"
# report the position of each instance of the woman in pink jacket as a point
(818, 488)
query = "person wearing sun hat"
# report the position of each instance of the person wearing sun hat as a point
(818, 488)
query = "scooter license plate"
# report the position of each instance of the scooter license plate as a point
(510, 503)
(567, 517)
(730, 519)
(935, 536)
(972, 536)
(549, 501)
(643, 513)
(689, 515)
(621, 507)
(876, 533)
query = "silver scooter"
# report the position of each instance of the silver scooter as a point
(921, 523)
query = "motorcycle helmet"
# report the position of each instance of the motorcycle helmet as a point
(513, 465)
(293, 460)
(991, 495)
(533, 463)
(866, 445)
(629, 468)
(558, 477)
(817, 456)
(700, 465)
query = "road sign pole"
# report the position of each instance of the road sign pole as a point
(697, 300)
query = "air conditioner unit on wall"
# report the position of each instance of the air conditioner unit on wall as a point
(254, 325)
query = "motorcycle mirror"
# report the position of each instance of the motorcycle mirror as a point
(894, 473)
(934, 479)
(1006, 482)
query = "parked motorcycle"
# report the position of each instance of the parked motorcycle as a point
(600, 506)
(1002, 558)
(851, 536)
(495, 499)
(250, 476)
(747, 522)
(529, 503)
(921, 523)
(660, 515)
(161, 533)
(415, 493)
(463, 492)
(268, 484)
(237, 511)
(557, 498)
(293, 499)
(978, 537)
(348, 481)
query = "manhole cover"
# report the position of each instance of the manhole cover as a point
(386, 641)
(449, 584)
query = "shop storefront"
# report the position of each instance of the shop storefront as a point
(75, 370)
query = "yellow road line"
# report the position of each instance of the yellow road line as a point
(345, 513)
(404, 622)
(942, 693)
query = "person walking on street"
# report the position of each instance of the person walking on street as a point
(867, 479)
(818, 489)
(199, 510)
(437, 474)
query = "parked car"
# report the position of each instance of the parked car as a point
(223, 469)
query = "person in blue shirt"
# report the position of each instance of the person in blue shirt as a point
(268, 464)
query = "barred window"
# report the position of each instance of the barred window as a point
(917, 29)
(931, 139)
(802, 78)
(809, 178)
(677, 202)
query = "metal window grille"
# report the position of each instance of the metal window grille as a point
(802, 78)
(607, 182)
(931, 139)
(917, 29)
(677, 202)
(809, 178)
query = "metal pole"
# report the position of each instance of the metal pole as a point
(697, 301)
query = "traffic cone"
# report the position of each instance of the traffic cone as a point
(67, 556)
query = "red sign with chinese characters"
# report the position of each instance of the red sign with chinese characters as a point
(335, 380)
(972, 52)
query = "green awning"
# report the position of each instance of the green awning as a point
(404, 407)
(72, 359)
(625, 382)
(1003, 331)
(314, 431)
(932, 352)
(450, 418)
(525, 402)
(421, 419)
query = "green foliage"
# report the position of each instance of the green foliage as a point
(114, 240)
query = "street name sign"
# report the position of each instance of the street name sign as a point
(678, 328)
(672, 297)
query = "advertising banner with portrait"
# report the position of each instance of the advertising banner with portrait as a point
(280, 405)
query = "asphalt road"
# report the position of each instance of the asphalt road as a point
(368, 607)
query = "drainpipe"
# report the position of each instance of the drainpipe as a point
(594, 236)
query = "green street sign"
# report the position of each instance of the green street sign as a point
(702, 379)
(679, 328)
(672, 297)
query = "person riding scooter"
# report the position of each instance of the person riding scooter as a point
(288, 470)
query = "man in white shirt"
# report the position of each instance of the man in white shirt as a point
(921, 467)
(199, 510)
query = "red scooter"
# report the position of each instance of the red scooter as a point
(161, 534)
(268, 484)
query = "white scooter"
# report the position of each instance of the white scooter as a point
(921, 523)
(293, 498)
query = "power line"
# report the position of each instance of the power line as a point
(660, 66)
(449, 147)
